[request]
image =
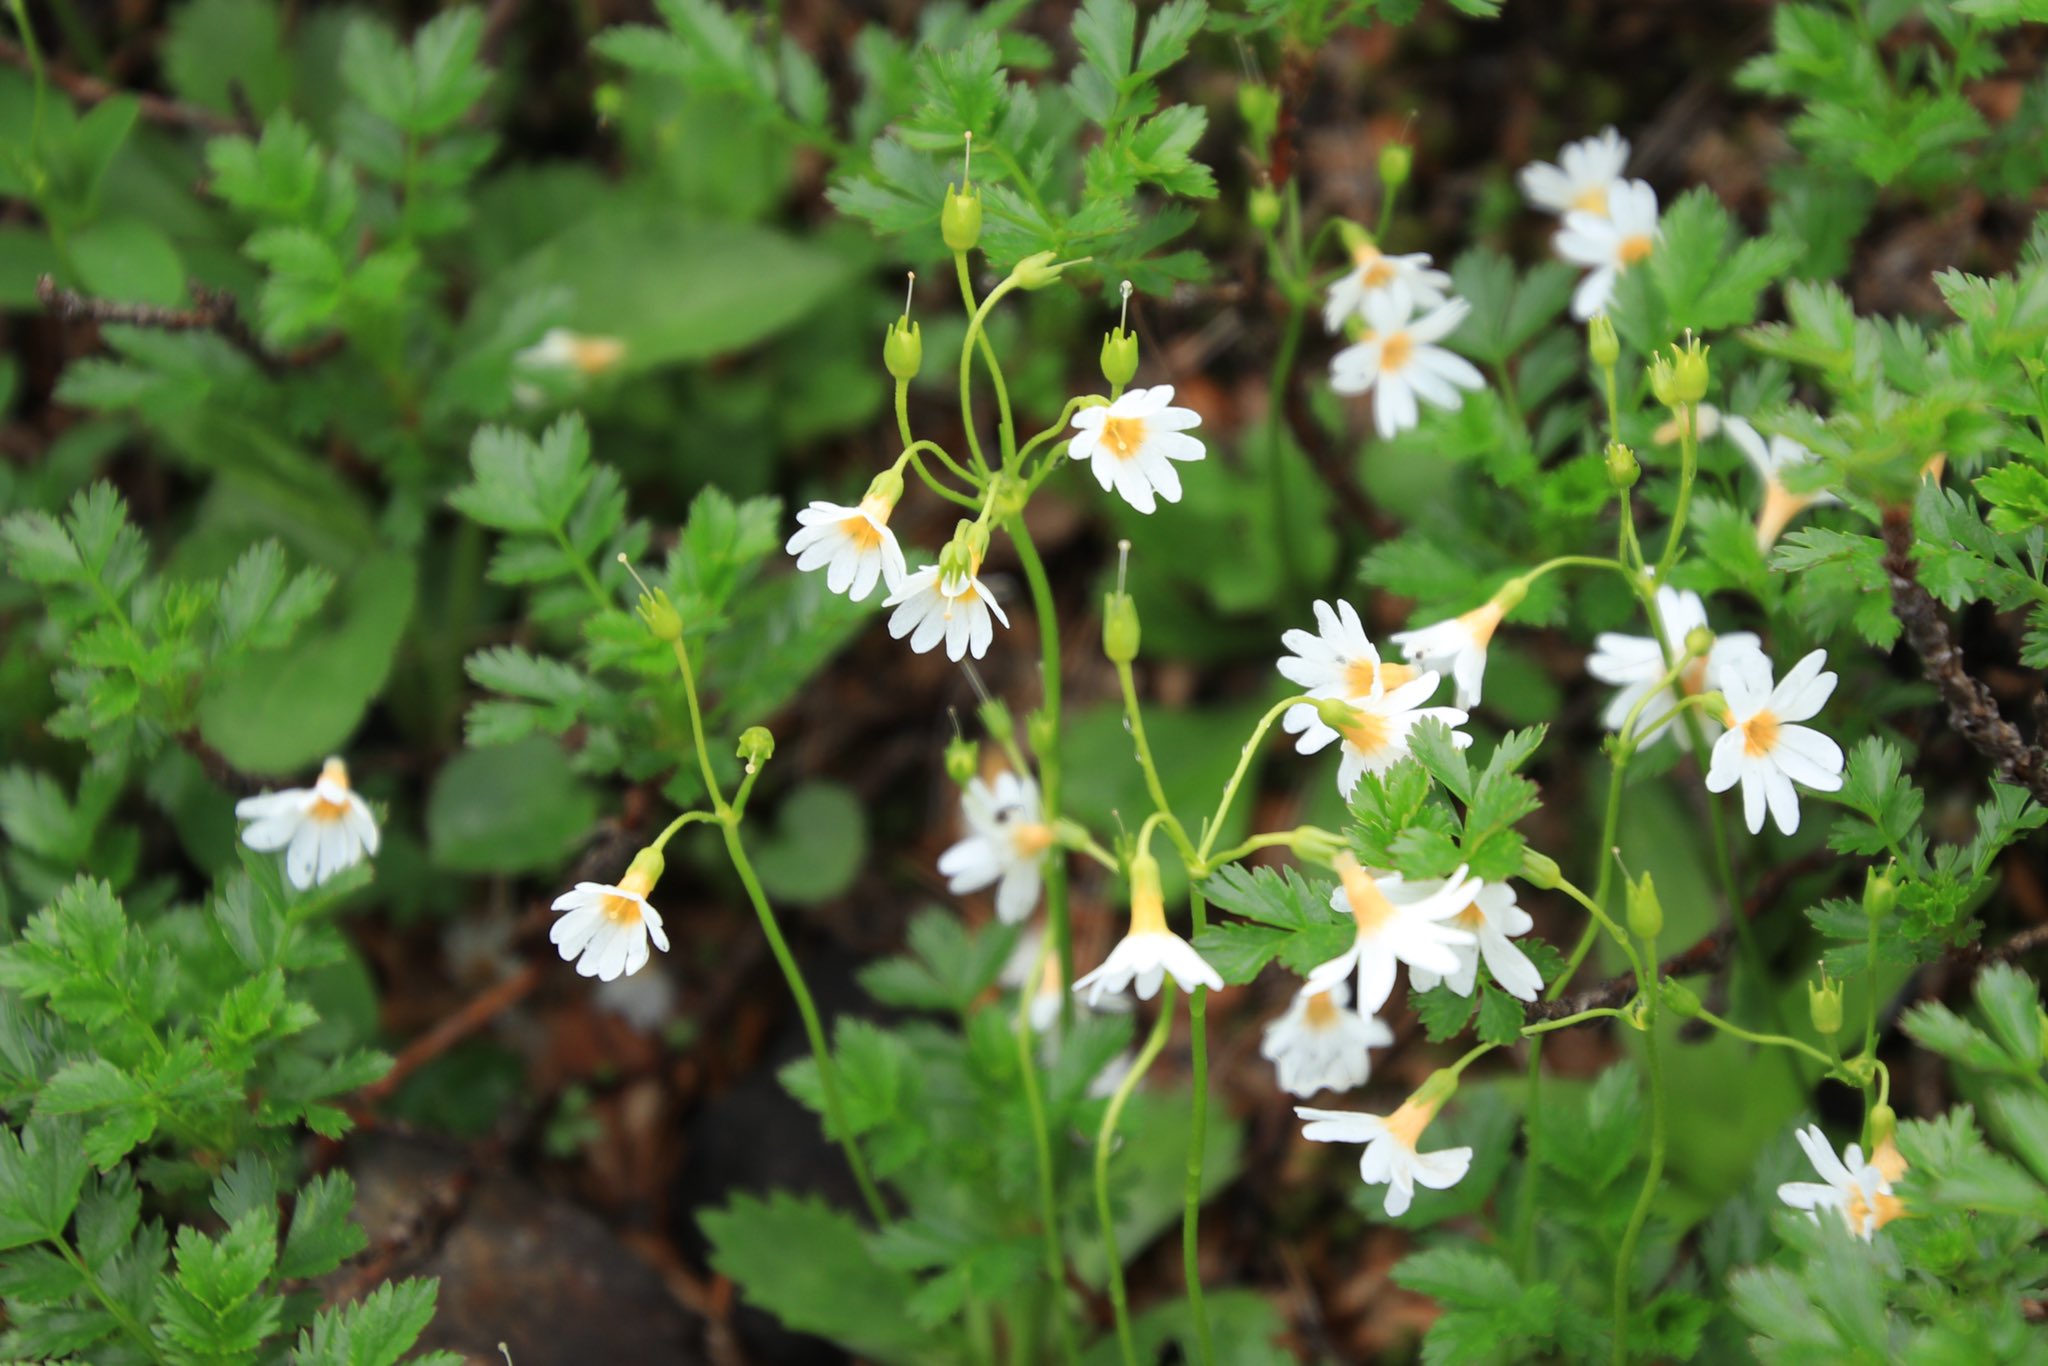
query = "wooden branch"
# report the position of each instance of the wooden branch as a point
(91, 90)
(473, 1016)
(212, 310)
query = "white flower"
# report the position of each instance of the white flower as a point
(1338, 661)
(1456, 647)
(324, 830)
(1771, 460)
(1150, 952)
(1764, 750)
(1321, 1042)
(1633, 664)
(1006, 845)
(1374, 272)
(931, 608)
(1047, 994)
(1608, 244)
(1133, 442)
(1398, 361)
(1493, 918)
(1858, 1190)
(606, 928)
(1375, 734)
(1393, 928)
(854, 544)
(1390, 1158)
(561, 349)
(1582, 180)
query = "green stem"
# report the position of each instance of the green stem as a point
(1688, 466)
(1624, 1262)
(977, 316)
(1769, 1040)
(1066, 418)
(1050, 772)
(1276, 461)
(1198, 1136)
(129, 1323)
(1597, 1013)
(1041, 1153)
(1105, 1140)
(687, 818)
(1271, 839)
(697, 730)
(1184, 846)
(1244, 763)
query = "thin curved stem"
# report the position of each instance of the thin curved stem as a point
(978, 314)
(1066, 418)
(697, 729)
(1198, 1138)
(1244, 763)
(1174, 831)
(687, 818)
(1624, 1261)
(1105, 1138)
(1597, 1013)
(1770, 1040)
(1041, 1153)
(1050, 774)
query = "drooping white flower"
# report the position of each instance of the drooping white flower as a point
(1393, 928)
(1006, 844)
(1493, 920)
(1045, 988)
(1860, 1191)
(1131, 444)
(1771, 459)
(1398, 361)
(1374, 728)
(1609, 244)
(853, 544)
(1149, 953)
(562, 349)
(1338, 660)
(1457, 647)
(1765, 750)
(1322, 1043)
(1390, 1158)
(324, 830)
(1633, 664)
(1581, 181)
(604, 929)
(931, 607)
(1373, 272)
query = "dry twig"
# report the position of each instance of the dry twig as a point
(91, 90)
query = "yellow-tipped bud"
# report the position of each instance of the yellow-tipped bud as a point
(1645, 911)
(1601, 342)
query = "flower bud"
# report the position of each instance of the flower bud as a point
(1664, 380)
(1680, 999)
(1263, 208)
(1259, 107)
(1622, 469)
(1880, 895)
(1541, 870)
(1645, 911)
(757, 746)
(1043, 731)
(1396, 160)
(608, 102)
(1313, 844)
(963, 760)
(903, 349)
(1336, 713)
(960, 219)
(887, 486)
(1884, 1126)
(1698, 641)
(997, 721)
(1353, 236)
(663, 621)
(1824, 1006)
(644, 871)
(1120, 634)
(1119, 357)
(1689, 370)
(1510, 594)
(1601, 342)
(1038, 270)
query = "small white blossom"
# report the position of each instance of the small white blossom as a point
(1006, 845)
(1394, 927)
(561, 349)
(1390, 1158)
(1149, 953)
(1860, 1191)
(1771, 459)
(1633, 664)
(1047, 993)
(931, 607)
(1131, 444)
(1493, 919)
(324, 830)
(1322, 1043)
(1609, 244)
(1457, 647)
(1398, 361)
(853, 544)
(1765, 750)
(1582, 179)
(1376, 736)
(1338, 660)
(1373, 273)
(605, 928)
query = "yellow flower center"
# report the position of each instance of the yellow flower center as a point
(1369, 905)
(1123, 437)
(1377, 272)
(1760, 735)
(1406, 1124)
(1860, 1212)
(1369, 734)
(1592, 201)
(333, 773)
(1396, 352)
(1031, 840)
(1359, 675)
(1634, 248)
(1321, 1011)
(1471, 918)
(861, 532)
(624, 910)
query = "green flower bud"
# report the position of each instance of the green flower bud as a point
(1541, 870)
(1263, 208)
(1601, 342)
(997, 721)
(1119, 357)
(609, 102)
(1622, 467)
(757, 746)
(1043, 731)
(1884, 1126)
(1680, 999)
(1880, 895)
(1824, 1007)
(1337, 714)
(960, 219)
(1437, 1088)
(1038, 270)
(1396, 160)
(1353, 236)
(1312, 844)
(1698, 641)
(903, 349)
(1120, 634)
(1510, 594)
(963, 760)
(1664, 380)
(1259, 107)
(1645, 911)
(1689, 370)
(663, 621)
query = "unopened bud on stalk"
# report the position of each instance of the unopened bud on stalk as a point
(1397, 159)
(1622, 467)
(1689, 369)
(960, 218)
(1263, 208)
(757, 746)
(1699, 640)
(903, 349)
(1120, 633)
(1120, 347)
(1880, 895)
(663, 622)
(1601, 342)
(1541, 870)
(963, 760)
(1645, 911)
(1259, 107)
(1038, 270)
(1884, 1126)
(1337, 714)
(1824, 1006)
(1680, 999)
(1043, 730)
(1313, 844)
